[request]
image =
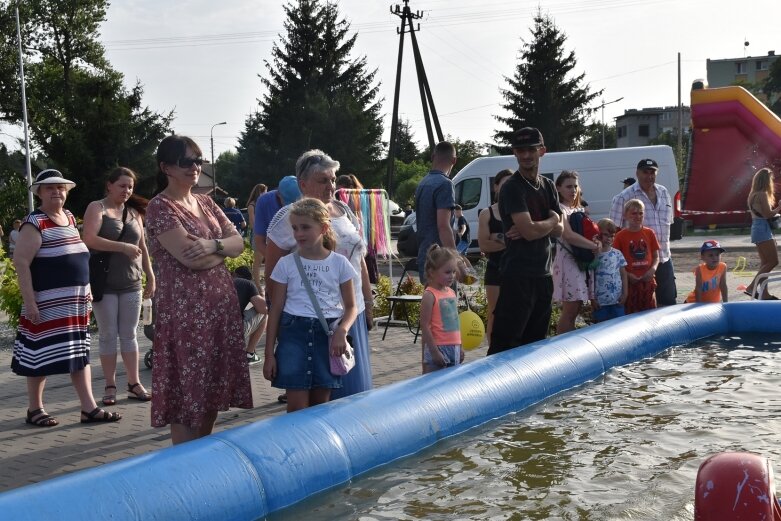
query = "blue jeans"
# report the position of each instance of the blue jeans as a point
(608, 312)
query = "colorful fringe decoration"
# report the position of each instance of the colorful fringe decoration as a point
(371, 207)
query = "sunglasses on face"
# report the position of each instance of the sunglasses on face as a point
(188, 162)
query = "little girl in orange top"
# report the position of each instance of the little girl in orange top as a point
(710, 275)
(439, 311)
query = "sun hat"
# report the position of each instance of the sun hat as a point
(288, 189)
(50, 176)
(711, 245)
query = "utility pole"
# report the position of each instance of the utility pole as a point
(426, 99)
(681, 166)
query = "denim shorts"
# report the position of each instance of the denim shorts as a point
(302, 355)
(760, 230)
(608, 312)
(451, 353)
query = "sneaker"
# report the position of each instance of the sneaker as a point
(253, 358)
(282, 398)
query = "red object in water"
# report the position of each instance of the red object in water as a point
(736, 486)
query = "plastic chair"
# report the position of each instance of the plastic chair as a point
(410, 267)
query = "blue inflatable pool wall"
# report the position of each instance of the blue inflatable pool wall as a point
(249, 472)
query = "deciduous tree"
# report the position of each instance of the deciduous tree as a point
(81, 116)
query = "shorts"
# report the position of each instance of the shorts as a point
(608, 312)
(760, 230)
(302, 355)
(452, 354)
(492, 276)
(252, 321)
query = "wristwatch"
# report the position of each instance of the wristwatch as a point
(220, 247)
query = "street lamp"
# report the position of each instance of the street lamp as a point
(24, 112)
(214, 166)
(603, 116)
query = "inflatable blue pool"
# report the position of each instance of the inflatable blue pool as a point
(252, 471)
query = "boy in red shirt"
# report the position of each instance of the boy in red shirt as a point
(640, 247)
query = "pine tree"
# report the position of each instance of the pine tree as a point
(317, 97)
(544, 93)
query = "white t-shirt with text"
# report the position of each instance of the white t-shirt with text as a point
(325, 276)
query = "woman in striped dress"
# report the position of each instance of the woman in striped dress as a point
(52, 264)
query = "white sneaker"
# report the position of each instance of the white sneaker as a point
(253, 358)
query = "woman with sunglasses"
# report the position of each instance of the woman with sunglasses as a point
(199, 364)
(316, 173)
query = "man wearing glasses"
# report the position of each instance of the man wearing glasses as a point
(434, 203)
(530, 212)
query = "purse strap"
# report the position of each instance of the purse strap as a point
(315, 304)
(122, 231)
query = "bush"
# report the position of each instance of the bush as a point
(245, 259)
(10, 294)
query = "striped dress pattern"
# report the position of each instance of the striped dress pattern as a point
(60, 342)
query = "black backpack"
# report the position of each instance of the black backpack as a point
(582, 225)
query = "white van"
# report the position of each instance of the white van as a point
(600, 173)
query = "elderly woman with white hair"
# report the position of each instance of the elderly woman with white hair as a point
(316, 174)
(52, 264)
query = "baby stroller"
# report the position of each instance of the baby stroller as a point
(149, 332)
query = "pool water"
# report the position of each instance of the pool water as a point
(626, 446)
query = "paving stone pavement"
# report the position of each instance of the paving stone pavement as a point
(31, 454)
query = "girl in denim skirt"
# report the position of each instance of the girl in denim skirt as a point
(300, 364)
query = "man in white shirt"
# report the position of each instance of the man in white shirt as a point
(658, 217)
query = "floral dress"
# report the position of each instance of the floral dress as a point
(199, 364)
(570, 284)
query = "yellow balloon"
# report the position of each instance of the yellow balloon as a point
(472, 329)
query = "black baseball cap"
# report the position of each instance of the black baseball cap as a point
(629, 181)
(647, 163)
(527, 137)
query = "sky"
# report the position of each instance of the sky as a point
(202, 58)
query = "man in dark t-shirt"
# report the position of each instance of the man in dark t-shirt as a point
(530, 213)
(254, 317)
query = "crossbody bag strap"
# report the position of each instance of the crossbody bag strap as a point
(315, 304)
(122, 231)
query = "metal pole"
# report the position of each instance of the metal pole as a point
(24, 112)
(680, 120)
(602, 106)
(214, 166)
(603, 124)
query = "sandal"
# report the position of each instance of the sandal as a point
(99, 415)
(40, 418)
(142, 396)
(110, 398)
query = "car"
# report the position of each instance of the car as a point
(407, 241)
(397, 215)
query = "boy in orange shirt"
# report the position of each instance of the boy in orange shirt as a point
(640, 247)
(710, 276)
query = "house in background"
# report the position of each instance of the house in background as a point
(206, 183)
(637, 127)
(739, 71)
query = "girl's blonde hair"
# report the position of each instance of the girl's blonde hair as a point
(436, 257)
(763, 183)
(316, 210)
